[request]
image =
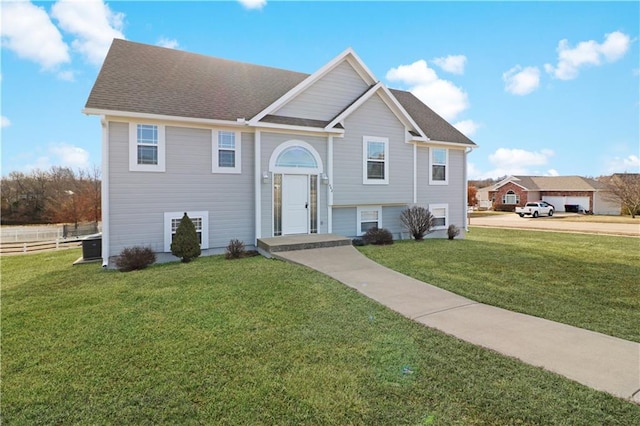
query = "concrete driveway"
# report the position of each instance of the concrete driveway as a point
(558, 223)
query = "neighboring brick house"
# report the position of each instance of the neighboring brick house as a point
(565, 193)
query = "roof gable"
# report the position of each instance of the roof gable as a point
(552, 183)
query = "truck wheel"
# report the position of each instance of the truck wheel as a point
(535, 214)
(521, 214)
(550, 212)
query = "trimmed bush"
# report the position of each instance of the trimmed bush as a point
(135, 258)
(235, 250)
(185, 243)
(418, 221)
(378, 236)
(453, 231)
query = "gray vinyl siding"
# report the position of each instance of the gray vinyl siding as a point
(345, 221)
(452, 194)
(138, 200)
(373, 118)
(269, 142)
(328, 96)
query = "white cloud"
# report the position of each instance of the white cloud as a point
(4, 122)
(27, 30)
(93, 23)
(442, 96)
(170, 43)
(253, 4)
(61, 154)
(452, 63)
(521, 81)
(629, 164)
(467, 127)
(514, 161)
(67, 75)
(570, 60)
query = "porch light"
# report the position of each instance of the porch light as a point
(265, 177)
(324, 178)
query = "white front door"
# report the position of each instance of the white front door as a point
(295, 204)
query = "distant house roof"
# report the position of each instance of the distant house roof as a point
(140, 78)
(553, 183)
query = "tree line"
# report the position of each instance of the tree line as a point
(57, 195)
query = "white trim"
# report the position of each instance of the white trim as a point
(330, 184)
(444, 206)
(204, 215)
(365, 158)
(292, 128)
(294, 170)
(257, 188)
(215, 166)
(133, 149)
(360, 210)
(307, 82)
(429, 142)
(446, 167)
(415, 173)
(174, 119)
(105, 192)
(354, 106)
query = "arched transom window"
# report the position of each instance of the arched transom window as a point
(296, 156)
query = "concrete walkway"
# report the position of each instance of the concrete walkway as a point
(596, 360)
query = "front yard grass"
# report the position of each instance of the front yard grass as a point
(589, 281)
(251, 341)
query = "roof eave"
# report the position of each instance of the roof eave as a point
(159, 117)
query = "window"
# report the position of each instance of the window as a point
(200, 220)
(375, 160)
(438, 164)
(226, 152)
(146, 147)
(368, 217)
(440, 215)
(510, 197)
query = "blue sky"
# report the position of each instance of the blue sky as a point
(542, 88)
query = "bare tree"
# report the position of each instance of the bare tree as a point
(625, 189)
(417, 220)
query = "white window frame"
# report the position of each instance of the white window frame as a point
(513, 193)
(203, 215)
(365, 159)
(133, 149)
(433, 207)
(433, 163)
(215, 166)
(362, 209)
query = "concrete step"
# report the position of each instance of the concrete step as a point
(266, 246)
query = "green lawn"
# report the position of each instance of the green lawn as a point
(589, 281)
(251, 341)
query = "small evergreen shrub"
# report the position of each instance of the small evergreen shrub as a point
(358, 242)
(418, 221)
(135, 258)
(378, 236)
(185, 243)
(235, 250)
(453, 231)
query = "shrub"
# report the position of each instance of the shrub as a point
(358, 242)
(453, 231)
(134, 258)
(418, 221)
(235, 250)
(185, 243)
(378, 236)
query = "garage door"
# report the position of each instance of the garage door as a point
(560, 202)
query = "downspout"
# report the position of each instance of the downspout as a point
(330, 186)
(467, 151)
(257, 188)
(415, 173)
(105, 191)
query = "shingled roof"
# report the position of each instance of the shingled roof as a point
(141, 78)
(557, 183)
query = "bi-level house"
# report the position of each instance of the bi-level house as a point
(250, 151)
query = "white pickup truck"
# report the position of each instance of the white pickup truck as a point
(535, 209)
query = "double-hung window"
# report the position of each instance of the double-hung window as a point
(375, 152)
(146, 147)
(200, 221)
(438, 163)
(440, 215)
(368, 217)
(226, 152)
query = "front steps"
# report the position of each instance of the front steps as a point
(267, 246)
